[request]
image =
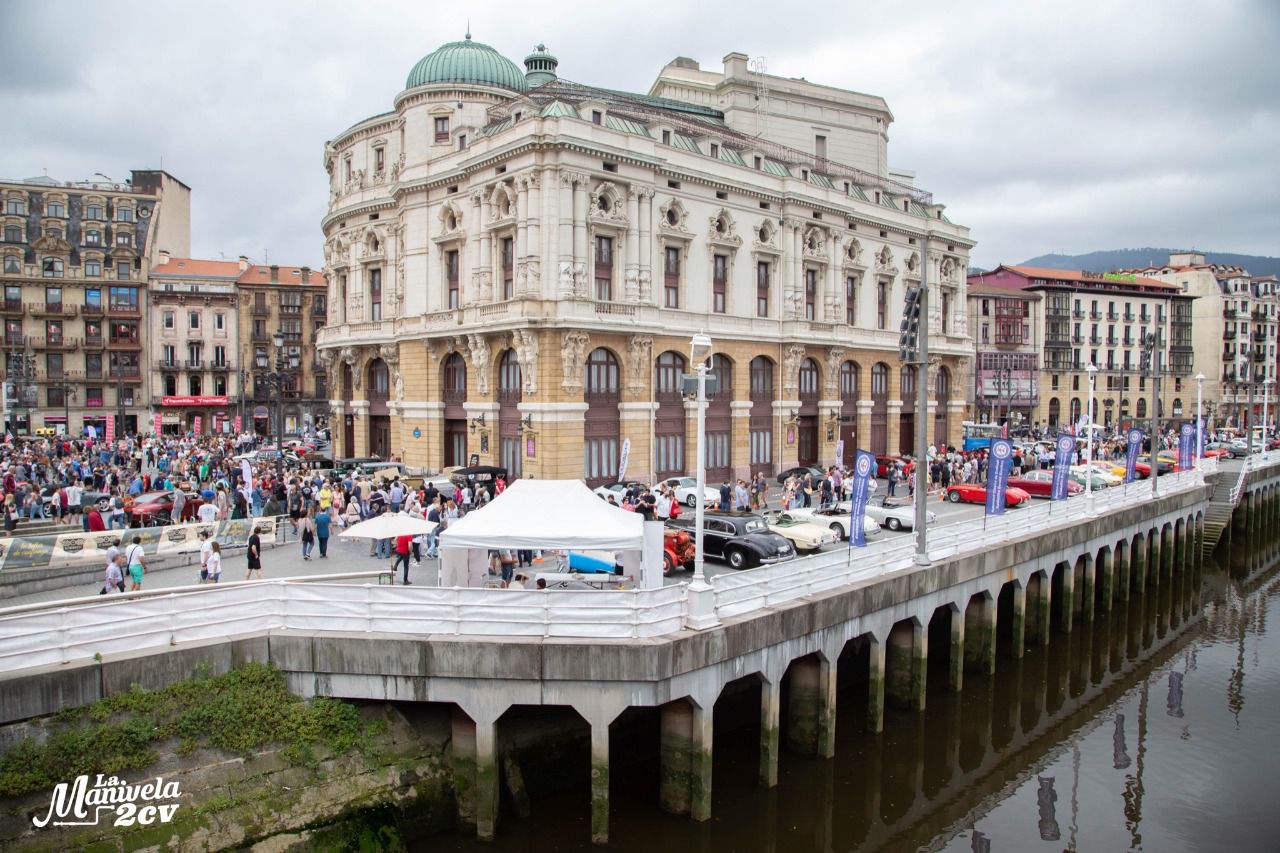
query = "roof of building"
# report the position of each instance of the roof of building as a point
(260, 274)
(196, 268)
(467, 61)
(1083, 277)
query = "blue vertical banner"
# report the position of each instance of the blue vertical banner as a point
(1186, 446)
(1066, 445)
(1134, 439)
(1204, 435)
(998, 474)
(864, 468)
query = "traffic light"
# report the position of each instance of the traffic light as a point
(908, 338)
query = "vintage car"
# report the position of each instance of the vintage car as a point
(799, 472)
(614, 490)
(836, 519)
(976, 494)
(884, 463)
(677, 550)
(896, 516)
(804, 533)
(1103, 475)
(686, 487)
(1040, 484)
(153, 508)
(741, 539)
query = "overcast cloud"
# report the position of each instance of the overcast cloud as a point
(1052, 126)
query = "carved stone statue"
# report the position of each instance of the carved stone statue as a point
(479, 348)
(399, 387)
(835, 357)
(525, 342)
(791, 359)
(639, 357)
(573, 354)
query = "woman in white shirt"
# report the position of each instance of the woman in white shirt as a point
(215, 561)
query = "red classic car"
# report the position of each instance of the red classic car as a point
(154, 508)
(677, 550)
(883, 463)
(974, 494)
(1040, 484)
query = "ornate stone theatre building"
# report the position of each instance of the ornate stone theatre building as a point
(517, 264)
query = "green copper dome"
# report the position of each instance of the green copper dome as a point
(467, 61)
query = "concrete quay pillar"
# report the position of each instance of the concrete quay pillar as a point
(811, 717)
(463, 761)
(486, 792)
(1166, 550)
(1104, 574)
(600, 784)
(1067, 606)
(1018, 619)
(685, 786)
(1088, 592)
(1120, 559)
(770, 699)
(1039, 605)
(1155, 554)
(906, 665)
(1138, 563)
(980, 635)
(876, 658)
(955, 658)
(802, 706)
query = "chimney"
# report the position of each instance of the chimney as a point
(244, 263)
(164, 256)
(275, 274)
(306, 275)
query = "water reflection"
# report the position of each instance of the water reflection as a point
(967, 773)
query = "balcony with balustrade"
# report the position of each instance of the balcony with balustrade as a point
(52, 309)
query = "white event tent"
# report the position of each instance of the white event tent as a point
(548, 515)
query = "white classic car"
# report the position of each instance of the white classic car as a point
(804, 533)
(832, 520)
(686, 487)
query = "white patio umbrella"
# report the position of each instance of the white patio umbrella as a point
(388, 526)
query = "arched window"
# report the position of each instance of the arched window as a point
(602, 372)
(1177, 407)
(1142, 407)
(879, 381)
(379, 380)
(51, 267)
(848, 381)
(808, 378)
(193, 385)
(455, 376)
(170, 385)
(509, 373)
(760, 438)
(1055, 412)
(761, 378)
(669, 370)
(1075, 410)
(942, 385)
(907, 384)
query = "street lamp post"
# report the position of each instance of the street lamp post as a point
(700, 352)
(1092, 370)
(1199, 416)
(276, 381)
(1266, 389)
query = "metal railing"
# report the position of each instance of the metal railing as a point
(72, 631)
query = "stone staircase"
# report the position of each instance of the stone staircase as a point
(44, 527)
(1222, 502)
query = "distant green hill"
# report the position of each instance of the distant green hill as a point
(1129, 258)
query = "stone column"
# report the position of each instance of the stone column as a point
(797, 270)
(770, 698)
(486, 780)
(1043, 608)
(1120, 558)
(522, 220)
(955, 660)
(565, 227)
(802, 707)
(685, 786)
(463, 760)
(905, 665)
(1138, 562)
(478, 238)
(864, 413)
(831, 296)
(1067, 607)
(893, 425)
(1087, 593)
(980, 635)
(631, 271)
(646, 244)
(580, 248)
(826, 709)
(1154, 557)
(1106, 574)
(600, 783)
(875, 684)
(1018, 619)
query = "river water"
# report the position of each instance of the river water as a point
(1156, 727)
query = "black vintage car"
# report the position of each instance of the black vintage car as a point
(741, 539)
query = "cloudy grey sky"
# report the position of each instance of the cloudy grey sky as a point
(1046, 126)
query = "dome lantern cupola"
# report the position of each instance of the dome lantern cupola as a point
(540, 66)
(467, 62)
